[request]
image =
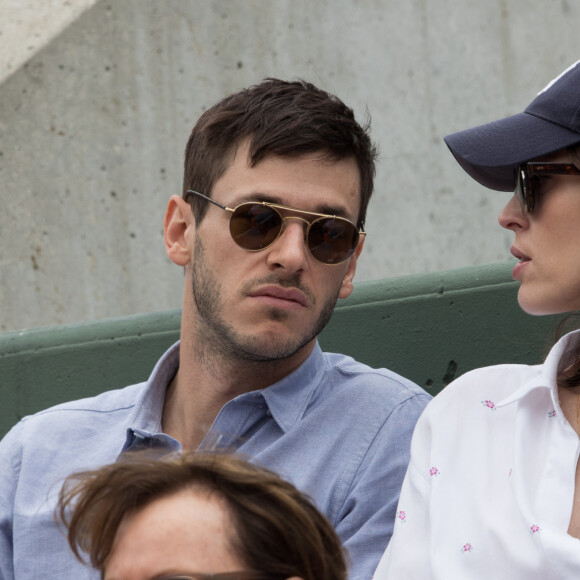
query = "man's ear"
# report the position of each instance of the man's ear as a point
(347, 282)
(178, 219)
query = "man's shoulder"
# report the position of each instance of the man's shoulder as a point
(99, 409)
(107, 401)
(69, 437)
(349, 376)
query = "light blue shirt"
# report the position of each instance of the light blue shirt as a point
(338, 429)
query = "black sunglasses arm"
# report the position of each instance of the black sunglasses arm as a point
(191, 192)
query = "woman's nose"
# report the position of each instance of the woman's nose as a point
(512, 215)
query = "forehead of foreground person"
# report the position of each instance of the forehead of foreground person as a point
(146, 519)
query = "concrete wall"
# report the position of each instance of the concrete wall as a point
(27, 26)
(94, 121)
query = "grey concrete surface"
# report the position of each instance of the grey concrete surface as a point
(27, 26)
(93, 126)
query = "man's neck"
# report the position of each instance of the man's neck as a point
(203, 386)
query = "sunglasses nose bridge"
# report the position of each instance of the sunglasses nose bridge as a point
(305, 223)
(305, 228)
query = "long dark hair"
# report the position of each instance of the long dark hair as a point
(569, 376)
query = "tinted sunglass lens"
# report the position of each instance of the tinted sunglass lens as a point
(332, 240)
(254, 226)
(519, 188)
(523, 190)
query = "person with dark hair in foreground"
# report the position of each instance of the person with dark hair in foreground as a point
(493, 486)
(195, 517)
(268, 231)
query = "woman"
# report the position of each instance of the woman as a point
(197, 517)
(493, 487)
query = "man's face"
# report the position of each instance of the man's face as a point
(271, 304)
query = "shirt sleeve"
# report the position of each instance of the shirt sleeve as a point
(408, 553)
(366, 523)
(9, 467)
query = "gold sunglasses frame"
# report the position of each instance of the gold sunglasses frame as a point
(276, 207)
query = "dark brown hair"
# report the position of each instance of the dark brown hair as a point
(285, 118)
(569, 376)
(278, 530)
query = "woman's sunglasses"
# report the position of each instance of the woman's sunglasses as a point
(529, 180)
(255, 225)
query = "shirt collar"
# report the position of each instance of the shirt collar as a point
(148, 414)
(288, 399)
(561, 354)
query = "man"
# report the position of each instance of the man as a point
(268, 230)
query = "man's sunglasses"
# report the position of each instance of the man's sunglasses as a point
(255, 225)
(529, 180)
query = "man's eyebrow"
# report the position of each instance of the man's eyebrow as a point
(324, 209)
(333, 210)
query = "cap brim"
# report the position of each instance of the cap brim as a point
(490, 153)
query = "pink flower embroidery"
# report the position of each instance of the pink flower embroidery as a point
(467, 548)
(489, 404)
(534, 529)
(552, 413)
(402, 516)
(434, 472)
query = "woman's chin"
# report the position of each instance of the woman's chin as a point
(543, 306)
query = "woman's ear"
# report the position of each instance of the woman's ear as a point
(178, 219)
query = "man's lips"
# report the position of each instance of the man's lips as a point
(277, 295)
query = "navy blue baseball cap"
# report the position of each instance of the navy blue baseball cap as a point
(492, 152)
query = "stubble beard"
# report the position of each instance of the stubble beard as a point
(215, 339)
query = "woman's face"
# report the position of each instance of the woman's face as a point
(188, 531)
(547, 244)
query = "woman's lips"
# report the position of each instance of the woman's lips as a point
(520, 267)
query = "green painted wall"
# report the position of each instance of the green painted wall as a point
(430, 328)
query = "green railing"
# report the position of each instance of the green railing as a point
(430, 328)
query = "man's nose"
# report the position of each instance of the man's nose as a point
(290, 252)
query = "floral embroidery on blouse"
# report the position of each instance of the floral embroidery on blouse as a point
(401, 515)
(467, 548)
(489, 404)
(434, 472)
(552, 413)
(534, 529)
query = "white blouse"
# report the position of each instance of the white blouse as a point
(489, 489)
